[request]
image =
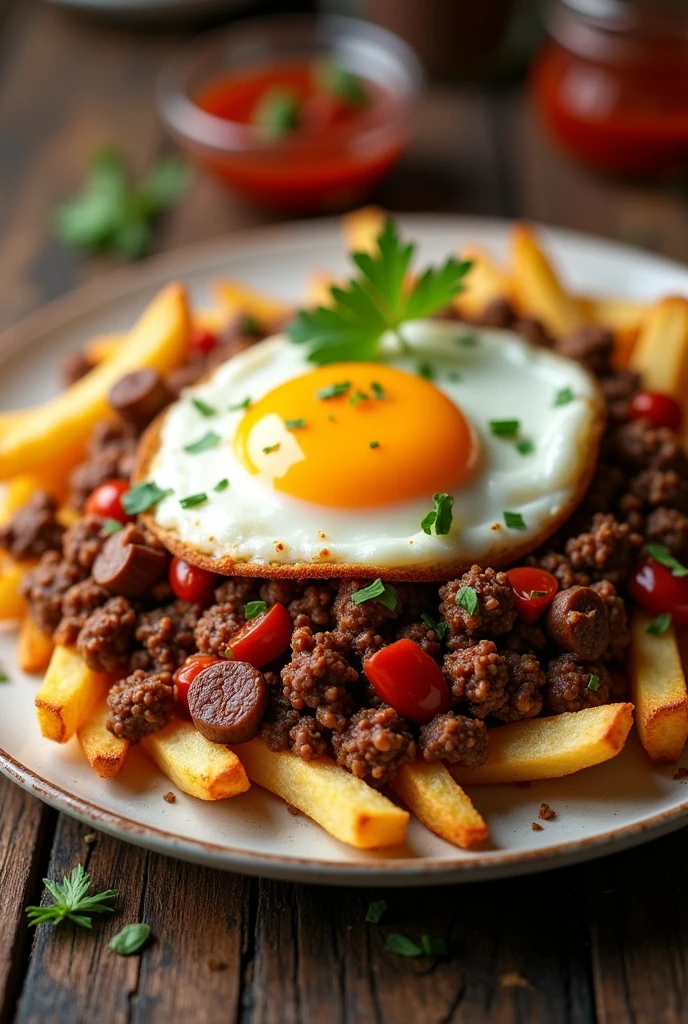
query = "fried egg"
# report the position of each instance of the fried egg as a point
(274, 467)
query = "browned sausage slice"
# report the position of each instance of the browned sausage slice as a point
(577, 621)
(139, 396)
(127, 565)
(227, 701)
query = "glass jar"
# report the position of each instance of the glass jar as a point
(612, 83)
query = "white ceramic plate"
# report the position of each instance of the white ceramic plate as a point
(623, 802)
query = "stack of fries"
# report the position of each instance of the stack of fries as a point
(39, 446)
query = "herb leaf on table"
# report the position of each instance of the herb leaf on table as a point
(71, 901)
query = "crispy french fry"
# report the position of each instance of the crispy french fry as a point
(55, 433)
(440, 803)
(35, 648)
(68, 695)
(209, 771)
(618, 314)
(103, 346)
(214, 318)
(547, 748)
(535, 287)
(12, 604)
(236, 298)
(483, 284)
(362, 228)
(661, 352)
(658, 690)
(105, 753)
(346, 807)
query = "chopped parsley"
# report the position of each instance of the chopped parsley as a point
(130, 939)
(209, 440)
(467, 340)
(342, 84)
(537, 593)
(4, 678)
(70, 900)
(110, 526)
(440, 517)
(374, 444)
(426, 370)
(454, 376)
(141, 497)
(359, 396)
(661, 554)
(269, 448)
(403, 946)
(525, 447)
(277, 113)
(203, 407)
(243, 404)
(594, 682)
(254, 608)
(378, 391)
(295, 424)
(193, 500)
(433, 947)
(377, 591)
(331, 419)
(660, 624)
(467, 598)
(249, 326)
(505, 428)
(564, 396)
(221, 485)
(333, 390)
(515, 521)
(439, 627)
(375, 911)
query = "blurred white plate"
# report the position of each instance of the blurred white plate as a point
(148, 9)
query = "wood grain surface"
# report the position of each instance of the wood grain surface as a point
(605, 942)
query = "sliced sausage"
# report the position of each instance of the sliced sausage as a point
(127, 565)
(227, 701)
(577, 621)
(139, 396)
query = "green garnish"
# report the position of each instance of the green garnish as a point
(222, 485)
(333, 390)
(337, 81)
(660, 624)
(505, 428)
(439, 627)
(110, 526)
(276, 113)
(269, 448)
(661, 554)
(209, 440)
(4, 678)
(71, 901)
(441, 516)
(378, 591)
(515, 521)
(525, 447)
(203, 407)
(359, 396)
(378, 391)
(244, 404)
(295, 424)
(254, 608)
(374, 444)
(426, 370)
(374, 302)
(594, 682)
(249, 326)
(537, 593)
(403, 946)
(141, 497)
(467, 598)
(454, 376)
(433, 947)
(564, 396)
(331, 419)
(193, 500)
(130, 939)
(375, 911)
(467, 340)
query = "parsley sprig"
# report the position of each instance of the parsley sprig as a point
(375, 301)
(71, 901)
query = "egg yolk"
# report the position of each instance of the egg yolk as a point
(356, 435)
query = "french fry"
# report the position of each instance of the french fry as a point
(658, 690)
(103, 346)
(661, 352)
(483, 284)
(236, 299)
(35, 648)
(346, 807)
(362, 228)
(105, 752)
(440, 803)
(56, 432)
(214, 318)
(12, 604)
(617, 314)
(68, 695)
(536, 290)
(209, 771)
(547, 748)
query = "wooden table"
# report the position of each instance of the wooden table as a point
(606, 941)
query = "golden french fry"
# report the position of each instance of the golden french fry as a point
(362, 227)
(68, 695)
(617, 314)
(658, 690)
(484, 283)
(12, 604)
(16, 493)
(35, 648)
(56, 432)
(346, 807)
(536, 290)
(103, 346)
(236, 299)
(547, 748)
(105, 753)
(440, 803)
(209, 771)
(214, 318)
(661, 352)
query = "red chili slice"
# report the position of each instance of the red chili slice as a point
(533, 591)
(264, 638)
(657, 590)
(192, 584)
(660, 409)
(185, 675)
(408, 679)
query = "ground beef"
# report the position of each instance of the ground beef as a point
(278, 721)
(568, 688)
(607, 484)
(43, 588)
(77, 604)
(524, 638)
(415, 599)
(106, 636)
(168, 633)
(84, 541)
(455, 739)
(639, 445)
(630, 509)
(424, 636)
(216, 627)
(615, 606)
(110, 454)
(561, 568)
(590, 345)
(307, 739)
(33, 529)
(364, 645)
(657, 487)
(668, 526)
(313, 607)
(498, 313)
(375, 744)
(534, 331)
(238, 589)
(319, 673)
(523, 689)
(280, 591)
(478, 675)
(606, 550)
(618, 389)
(141, 704)
(352, 618)
(495, 613)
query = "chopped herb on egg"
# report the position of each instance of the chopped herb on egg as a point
(203, 407)
(359, 396)
(594, 682)
(439, 627)
(426, 370)
(243, 404)
(505, 428)
(454, 376)
(249, 326)
(440, 518)
(271, 448)
(467, 340)
(467, 598)
(515, 521)
(221, 485)
(331, 419)
(295, 424)
(378, 391)
(253, 609)
(4, 678)
(193, 500)
(141, 497)
(525, 447)
(374, 444)
(377, 591)
(209, 440)
(333, 390)
(564, 396)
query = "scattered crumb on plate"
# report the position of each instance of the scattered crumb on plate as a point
(536, 827)
(170, 798)
(682, 773)
(546, 813)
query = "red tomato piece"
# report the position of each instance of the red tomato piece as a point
(202, 341)
(191, 583)
(409, 680)
(660, 409)
(186, 673)
(106, 501)
(532, 590)
(657, 590)
(264, 638)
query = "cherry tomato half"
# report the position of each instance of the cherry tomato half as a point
(264, 638)
(408, 679)
(106, 501)
(657, 590)
(186, 673)
(190, 583)
(660, 409)
(202, 341)
(532, 590)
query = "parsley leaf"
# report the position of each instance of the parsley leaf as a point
(130, 939)
(295, 424)
(426, 370)
(515, 521)
(439, 627)
(375, 911)
(378, 591)
(374, 302)
(253, 609)
(505, 428)
(525, 447)
(243, 404)
(402, 946)
(660, 624)
(141, 497)
(110, 526)
(661, 554)
(467, 598)
(564, 396)
(193, 500)
(374, 444)
(269, 448)
(594, 682)
(276, 114)
(4, 678)
(203, 407)
(70, 900)
(341, 83)
(378, 391)
(467, 340)
(440, 517)
(221, 485)
(209, 440)
(433, 947)
(333, 391)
